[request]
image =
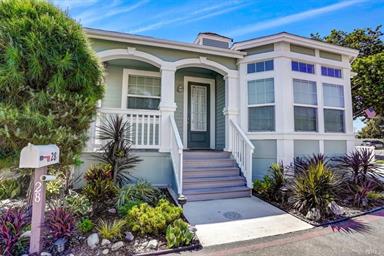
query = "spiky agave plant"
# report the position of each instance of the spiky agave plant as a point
(114, 131)
(301, 164)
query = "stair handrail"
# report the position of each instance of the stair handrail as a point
(242, 150)
(176, 148)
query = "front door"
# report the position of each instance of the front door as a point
(198, 116)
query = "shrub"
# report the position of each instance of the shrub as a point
(55, 187)
(85, 225)
(78, 204)
(314, 188)
(269, 187)
(60, 223)
(13, 222)
(141, 191)
(301, 164)
(127, 206)
(116, 151)
(178, 234)
(375, 196)
(148, 220)
(263, 187)
(359, 193)
(98, 172)
(111, 230)
(50, 79)
(9, 188)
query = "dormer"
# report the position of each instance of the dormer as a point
(213, 39)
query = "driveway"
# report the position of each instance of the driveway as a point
(359, 236)
(239, 219)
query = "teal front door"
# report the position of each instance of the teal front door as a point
(198, 116)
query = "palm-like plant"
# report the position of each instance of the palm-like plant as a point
(301, 164)
(115, 132)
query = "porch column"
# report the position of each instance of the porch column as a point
(167, 106)
(232, 105)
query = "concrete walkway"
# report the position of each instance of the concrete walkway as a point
(240, 219)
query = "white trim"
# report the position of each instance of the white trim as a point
(124, 92)
(205, 63)
(211, 83)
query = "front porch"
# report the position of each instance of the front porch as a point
(175, 106)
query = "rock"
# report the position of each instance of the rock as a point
(192, 229)
(336, 209)
(71, 254)
(105, 242)
(313, 214)
(105, 251)
(152, 244)
(26, 234)
(112, 210)
(45, 254)
(93, 240)
(116, 246)
(129, 236)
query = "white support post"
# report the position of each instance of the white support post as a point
(232, 103)
(167, 106)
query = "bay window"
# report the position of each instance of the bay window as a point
(333, 108)
(305, 105)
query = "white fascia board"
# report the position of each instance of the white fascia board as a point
(128, 38)
(285, 37)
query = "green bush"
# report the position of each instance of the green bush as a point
(178, 234)
(127, 206)
(78, 204)
(9, 189)
(85, 225)
(141, 191)
(314, 188)
(111, 230)
(50, 79)
(147, 220)
(269, 187)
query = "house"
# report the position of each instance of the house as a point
(241, 106)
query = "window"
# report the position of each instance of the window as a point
(332, 72)
(333, 108)
(305, 109)
(143, 92)
(302, 50)
(261, 105)
(303, 67)
(260, 49)
(330, 56)
(260, 66)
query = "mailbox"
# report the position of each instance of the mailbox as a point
(37, 156)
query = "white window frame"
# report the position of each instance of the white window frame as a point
(125, 83)
(334, 108)
(272, 104)
(306, 106)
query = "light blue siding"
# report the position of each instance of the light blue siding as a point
(113, 81)
(306, 147)
(264, 155)
(335, 147)
(220, 120)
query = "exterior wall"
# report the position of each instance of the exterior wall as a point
(290, 143)
(264, 155)
(156, 167)
(220, 118)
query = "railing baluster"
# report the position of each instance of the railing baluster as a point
(137, 130)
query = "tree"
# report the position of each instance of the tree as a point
(368, 84)
(373, 129)
(50, 80)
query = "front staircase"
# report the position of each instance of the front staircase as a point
(211, 175)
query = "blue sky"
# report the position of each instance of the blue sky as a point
(239, 19)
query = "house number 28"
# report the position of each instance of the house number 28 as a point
(37, 192)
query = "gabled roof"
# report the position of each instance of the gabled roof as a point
(295, 39)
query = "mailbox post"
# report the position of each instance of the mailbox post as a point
(38, 157)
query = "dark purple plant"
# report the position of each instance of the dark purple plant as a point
(13, 223)
(60, 223)
(301, 164)
(360, 193)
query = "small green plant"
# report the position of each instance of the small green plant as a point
(111, 230)
(77, 203)
(262, 187)
(85, 225)
(373, 195)
(269, 187)
(178, 234)
(127, 206)
(9, 188)
(147, 220)
(141, 191)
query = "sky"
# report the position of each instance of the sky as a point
(239, 19)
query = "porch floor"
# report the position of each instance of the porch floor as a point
(232, 220)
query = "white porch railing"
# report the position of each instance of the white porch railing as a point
(176, 148)
(242, 151)
(144, 131)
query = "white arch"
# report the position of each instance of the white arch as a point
(130, 53)
(205, 63)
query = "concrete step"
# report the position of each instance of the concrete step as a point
(190, 155)
(210, 172)
(201, 163)
(216, 193)
(213, 182)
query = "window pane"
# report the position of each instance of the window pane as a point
(304, 92)
(145, 86)
(333, 120)
(251, 68)
(260, 66)
(333, 95)
(324, 71)
(261, 118)
(269, 65)
(295, 66)
(302, 67)
(338, 73)
(261, 91)
(331, 72)
(310, 68)
(305, 119)
(143, 103)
